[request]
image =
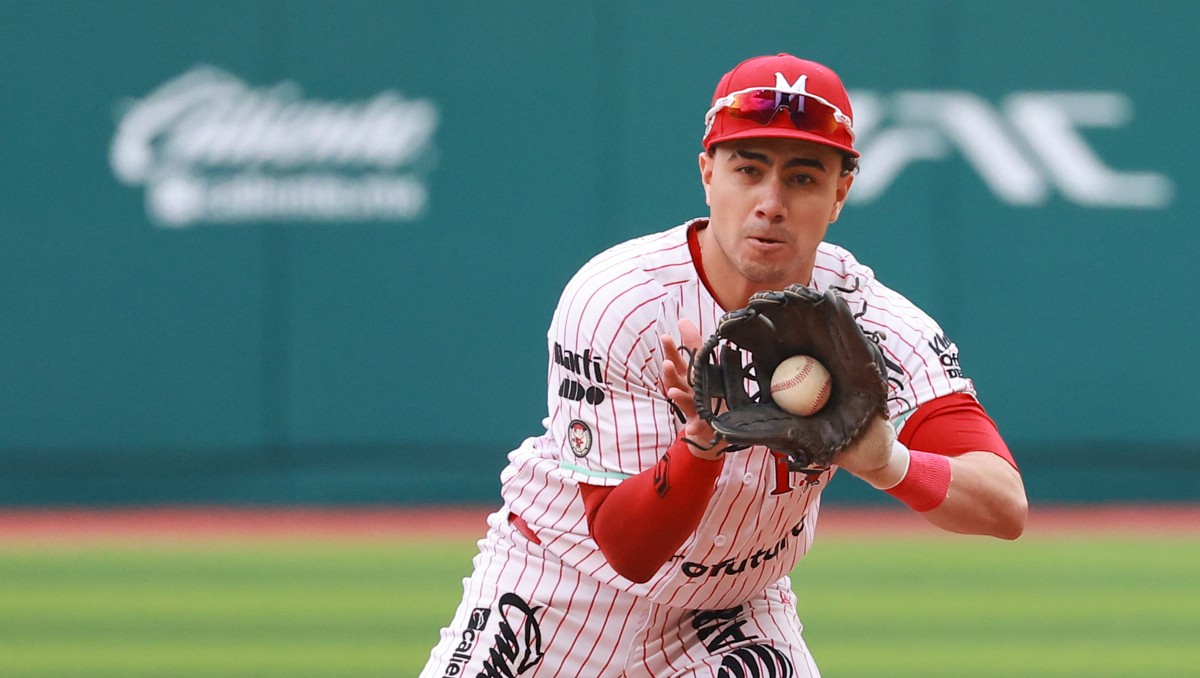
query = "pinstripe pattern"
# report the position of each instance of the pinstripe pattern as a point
(581, 626)
(608, 419)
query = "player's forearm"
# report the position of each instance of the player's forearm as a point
(970, 493)
(642, 522)
(986, 497)
(951, 466)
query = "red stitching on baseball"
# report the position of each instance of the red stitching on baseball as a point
(824, 392)
(795, 378)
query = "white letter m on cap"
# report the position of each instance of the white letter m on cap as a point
(797, 87)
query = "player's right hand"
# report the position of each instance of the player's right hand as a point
(676, 362)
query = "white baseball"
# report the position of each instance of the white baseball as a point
(801, 385)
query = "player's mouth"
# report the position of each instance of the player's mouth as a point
(766, 242)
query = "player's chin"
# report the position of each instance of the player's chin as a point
(768, 272)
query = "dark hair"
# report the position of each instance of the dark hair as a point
(849, 164)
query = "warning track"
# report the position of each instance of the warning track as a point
(466, 522)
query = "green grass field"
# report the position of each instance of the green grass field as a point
(918, 606)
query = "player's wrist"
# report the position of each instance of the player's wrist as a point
(875, 457)
(702, 446)
(925, 483)
(892, 471)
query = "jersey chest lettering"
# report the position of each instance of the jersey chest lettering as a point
(783, 475)
(734, 565)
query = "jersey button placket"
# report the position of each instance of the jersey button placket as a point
(719, 540)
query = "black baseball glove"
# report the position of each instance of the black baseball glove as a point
(751, 343)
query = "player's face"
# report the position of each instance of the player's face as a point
(770, 204)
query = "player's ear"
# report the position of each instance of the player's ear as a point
(843, 190)
(707, 162)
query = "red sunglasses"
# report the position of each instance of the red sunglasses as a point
(808, 112)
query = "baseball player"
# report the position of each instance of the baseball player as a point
(627, 544)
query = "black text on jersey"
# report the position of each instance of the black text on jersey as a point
(585, 364)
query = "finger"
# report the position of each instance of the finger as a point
(684, 399)
(674, 376)
(675, 383)
(689, 334)
(672, 358)
(670, 349)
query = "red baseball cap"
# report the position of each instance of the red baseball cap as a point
(781, 96)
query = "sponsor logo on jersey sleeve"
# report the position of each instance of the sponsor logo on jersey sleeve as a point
(947, 354)
(586, 381)
(577, 392)
(586, 364)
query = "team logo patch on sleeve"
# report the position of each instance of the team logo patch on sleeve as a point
(579, 437)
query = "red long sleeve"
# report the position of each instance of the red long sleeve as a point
(954, 424)
(640, 523)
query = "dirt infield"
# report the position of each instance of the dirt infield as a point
(459, 522)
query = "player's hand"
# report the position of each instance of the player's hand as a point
(675, 380)
(873, 457)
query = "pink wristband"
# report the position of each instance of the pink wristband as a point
(926, 483)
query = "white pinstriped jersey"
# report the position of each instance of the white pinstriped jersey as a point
(609, 418)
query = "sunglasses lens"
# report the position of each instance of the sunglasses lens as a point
(806, 114)
(759, 106)
(816, 118)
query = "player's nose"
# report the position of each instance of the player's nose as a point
(770, 206)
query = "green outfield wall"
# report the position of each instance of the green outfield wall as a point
(297, 251)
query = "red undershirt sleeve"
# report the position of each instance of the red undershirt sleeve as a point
(640, 523)
(952, 425)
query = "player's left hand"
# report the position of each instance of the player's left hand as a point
(676, 362)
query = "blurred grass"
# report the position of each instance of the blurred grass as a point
(232, 609)
(915, 606)
(973, 607)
